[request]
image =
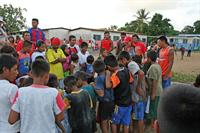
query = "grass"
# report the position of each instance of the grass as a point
(183, 78)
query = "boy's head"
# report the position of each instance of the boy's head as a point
(8, 67)
(162, 41)
(104, 53)
(138, 59)
(65, 50)
(40, 70)
(124, 58)
(9, 50)
(35, 22)
(70, 83)
(178, 110)
(90, 59)
(151, 56)
(82, 77)
(128, 40)
(135, 38)
(123, 35)
(111, 62)
(27, 45)
(74, 58)
(197, 81)
(55, 43)
(26, 35)
(106, 34)
(11, 39)
(40, 58)
(84, 47)
(99, 66)
(72, 40)
(53, 81)
(40, 44)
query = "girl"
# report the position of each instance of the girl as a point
(66, 64)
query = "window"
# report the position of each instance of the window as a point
(97, 37)
(198, 41)
(194, 41)
(115, 38)
(176, 40)
(185, 40)
(143, 39)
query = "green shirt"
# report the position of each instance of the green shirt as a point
(154, 73)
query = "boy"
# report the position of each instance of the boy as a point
(154, 82)
(8, 72)
(29, 106)
(89, 68)
(107, 43)
(138, 88)
(73, 47)
(74, 64)
(79, 107)
(56, 57)
(24, 58)
(83, 54)
(105, 96)
(119, 81)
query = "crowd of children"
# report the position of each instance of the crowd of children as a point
(66, 89)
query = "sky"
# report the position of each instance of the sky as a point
(104, 13)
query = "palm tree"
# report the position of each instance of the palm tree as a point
(142, 17)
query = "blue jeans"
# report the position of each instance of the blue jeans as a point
(166, 83)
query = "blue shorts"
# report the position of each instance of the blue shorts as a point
(139, 109)
(166, 83)
(122, 115)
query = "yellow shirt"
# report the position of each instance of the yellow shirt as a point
(57, 68)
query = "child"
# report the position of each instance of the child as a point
(154, 82)
(83, 84)
(41, 46)
(74, 64)
(8, 72)
(24, 58)
(103, 53)
(79, 111)
(83, 54)
(197, 81)
(38, 106)
(119, 81)
(89, 68)
(56, 57)
(66, 64)
(105, 96)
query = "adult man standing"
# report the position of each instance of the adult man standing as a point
(35, 32)
(140, 48)
(166, 60)
(120, 43)
(106, 43)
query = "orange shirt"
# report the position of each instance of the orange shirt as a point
(163, 60)
(140, 48)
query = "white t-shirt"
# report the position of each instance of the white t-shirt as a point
(38, 106)
(36, 54)
(133, 67)
(83, 57)
(76, 46)
(7, 94)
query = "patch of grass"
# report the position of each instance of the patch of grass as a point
(183, 78)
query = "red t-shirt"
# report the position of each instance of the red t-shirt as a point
(20, 46)
(106, 44)
(140, 48)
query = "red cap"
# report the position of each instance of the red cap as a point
(55, 41)
(127, 39)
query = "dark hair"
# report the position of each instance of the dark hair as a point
(106, 32)
(12, 38)
(63, 47)
(23, 34)
(99, 66)
(137, 59)
(70, 81)
(178, 110)
(125, 55)
(90, 59)
(9, 50)
(35, 19)
(74, 57)
(84, 44)
(40, 67)
(7, 61)
(53, 81)
(82, 75)
(135, 35)
(39, 43)
(152, 55)
(28, 81)
(197, 81)
(71, 37)
(111, 61)
(39, 58)
(123, 33)
(163, 38)
(27, 43)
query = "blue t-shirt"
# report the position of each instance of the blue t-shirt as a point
(90, 91)
(89, 69)
(24, 63)
(108, 92)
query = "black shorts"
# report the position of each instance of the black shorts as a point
(106, 110)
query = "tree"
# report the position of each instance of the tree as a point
(197, 27)
(188, 30)
(15, 21)
(112, 27)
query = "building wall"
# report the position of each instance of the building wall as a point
(60, 33)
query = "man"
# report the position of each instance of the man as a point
(178, 110)
(35, 32)
(140, 48)
(106, 43)
(120, 43)
(166, 60)
(72, 46)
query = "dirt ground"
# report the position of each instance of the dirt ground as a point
(189, 65)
